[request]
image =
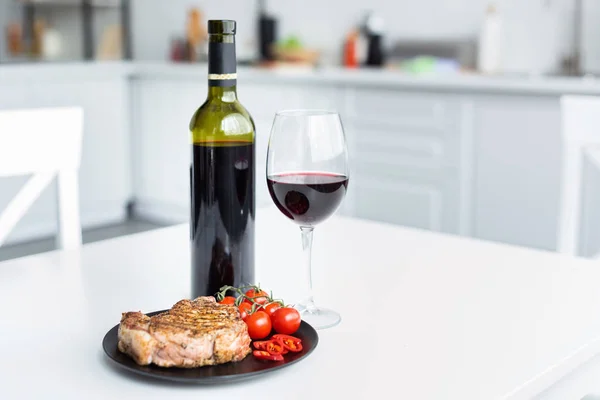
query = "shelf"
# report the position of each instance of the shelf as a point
(87, 9)
(71, 3)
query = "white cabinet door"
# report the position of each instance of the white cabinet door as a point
(105, 181)
(517, 175)
(406, 198)
(405, 150)
(410, 204)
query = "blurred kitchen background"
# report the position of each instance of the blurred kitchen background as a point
(452, 107)
(536, 36)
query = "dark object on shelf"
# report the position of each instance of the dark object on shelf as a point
(373, 30)
(87, 19)
(572, 64)
(267, 37)
(267, 33)
(375, 53)
(29, 19)
(126, 27)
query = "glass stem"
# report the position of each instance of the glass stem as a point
(307, 236)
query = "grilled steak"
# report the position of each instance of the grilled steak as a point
(193, 333)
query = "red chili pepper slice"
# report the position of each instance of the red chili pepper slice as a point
(260, 344)
(273, 346)
(265, 355)
(291, 343)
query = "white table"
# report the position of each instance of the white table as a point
(425, 316)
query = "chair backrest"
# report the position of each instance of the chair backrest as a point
(580, 133)
(580, 119)
(44, 143)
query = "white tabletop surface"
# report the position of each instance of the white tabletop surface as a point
(425, 316)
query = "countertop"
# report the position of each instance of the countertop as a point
(541, 85)
(57, 72)
(526, 85)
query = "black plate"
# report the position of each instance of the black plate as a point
(229, 372)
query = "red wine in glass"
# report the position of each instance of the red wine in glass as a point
(307, 198)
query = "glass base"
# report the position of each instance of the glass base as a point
(319, 318)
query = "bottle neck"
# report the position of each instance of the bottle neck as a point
(222, 68)
(227, 94)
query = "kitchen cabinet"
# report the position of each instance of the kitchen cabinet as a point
(464, 155)
(104, 178)
(475, 163)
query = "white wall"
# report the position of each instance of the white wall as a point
(323, 24)
(156, 22)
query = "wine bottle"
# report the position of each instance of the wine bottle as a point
(222, 174)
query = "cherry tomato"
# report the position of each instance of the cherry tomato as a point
(259, 296)
(286, 320)
(289, 342)
(271, 308)
(228, 300)
(265, 355)
(259, 325)
(244, 308)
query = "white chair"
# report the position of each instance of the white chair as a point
(580, 141)
(43, 143)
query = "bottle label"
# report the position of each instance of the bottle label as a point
(221, 64)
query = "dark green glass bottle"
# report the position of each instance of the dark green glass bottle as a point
(222, 175)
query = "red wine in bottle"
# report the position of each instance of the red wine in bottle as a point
(222, 176)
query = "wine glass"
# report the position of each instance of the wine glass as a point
(307, 177)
